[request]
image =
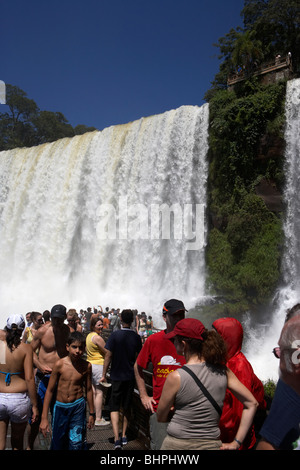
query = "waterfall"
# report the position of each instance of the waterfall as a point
(291, 260)
(82, 219)
(264, 338)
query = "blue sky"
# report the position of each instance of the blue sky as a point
(108, 62)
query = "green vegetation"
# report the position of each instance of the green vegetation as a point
(269, 387)
(25, 125)
(245, 236)
(270, 27)
(244, 243)
(238, 120)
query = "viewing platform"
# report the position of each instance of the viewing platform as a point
(271, 72)
(101, 438)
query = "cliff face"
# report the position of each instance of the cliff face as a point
(271, 196)
(246, 179)
(270, 152)
(271, 148)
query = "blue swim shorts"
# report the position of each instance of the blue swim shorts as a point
(69, 426)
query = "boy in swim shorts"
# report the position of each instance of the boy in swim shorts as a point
(71, 374)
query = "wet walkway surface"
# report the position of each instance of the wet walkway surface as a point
(101, 438)
(98, 438)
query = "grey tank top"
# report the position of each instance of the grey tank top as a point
(195, 417)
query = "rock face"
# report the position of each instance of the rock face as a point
(269, 193)
(271, 147)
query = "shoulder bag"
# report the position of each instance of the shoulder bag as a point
(204, 390)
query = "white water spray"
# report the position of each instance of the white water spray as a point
(264, 338)
(49, 205)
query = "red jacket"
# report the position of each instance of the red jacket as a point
(231, 331)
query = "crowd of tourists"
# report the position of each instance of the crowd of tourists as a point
(111, 317)
(56, 365)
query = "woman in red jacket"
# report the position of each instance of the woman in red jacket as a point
(231, 331)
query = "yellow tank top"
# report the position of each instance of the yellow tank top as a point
(29, 335)
(93, 354)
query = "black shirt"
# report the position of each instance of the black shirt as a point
(124, 344)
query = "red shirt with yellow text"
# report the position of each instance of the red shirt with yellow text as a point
(164, 358)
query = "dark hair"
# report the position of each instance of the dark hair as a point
(46, 315)
(34, 315)
(127, 316)
(76, 336)
(212, 348)
(13, 337)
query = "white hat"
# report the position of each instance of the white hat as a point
(17, 320)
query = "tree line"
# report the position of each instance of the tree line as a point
(25, 125)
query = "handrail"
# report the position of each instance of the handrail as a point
(279, 63)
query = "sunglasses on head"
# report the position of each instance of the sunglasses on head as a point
(276, 352)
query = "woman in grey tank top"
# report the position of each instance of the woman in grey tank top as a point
(196, 411)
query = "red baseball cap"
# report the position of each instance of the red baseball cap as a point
(188, 327)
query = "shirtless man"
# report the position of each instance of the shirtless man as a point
(51, 341)
(71, 374)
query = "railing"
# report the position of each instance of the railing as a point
(278, 64)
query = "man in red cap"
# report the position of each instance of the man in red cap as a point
(164, 358)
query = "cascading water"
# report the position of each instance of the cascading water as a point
(58, 201)
(264, 338)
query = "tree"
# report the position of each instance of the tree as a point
(226, 46)
(253, 11)
(25, 125)
(277, 26)
(271, 27)
(82, 129)
(52, 126)
(16, 127)
(247, 51)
